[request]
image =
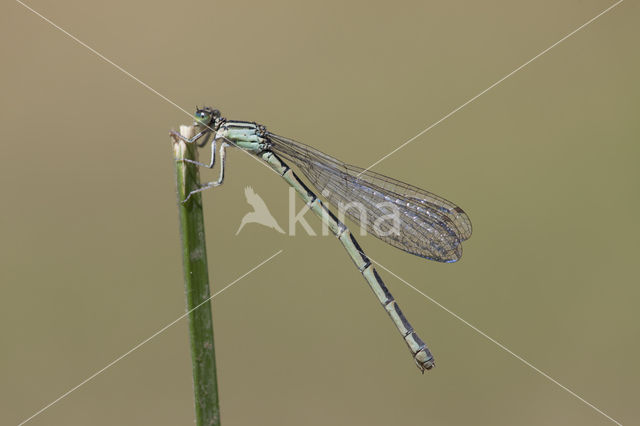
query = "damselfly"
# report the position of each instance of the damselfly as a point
(424, 224)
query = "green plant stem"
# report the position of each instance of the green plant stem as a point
(196, 280)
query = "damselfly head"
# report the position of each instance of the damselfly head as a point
(206, 116)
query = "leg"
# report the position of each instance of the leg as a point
(213, 156)
(195, 138)
(213, 184)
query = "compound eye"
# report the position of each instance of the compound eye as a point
(203, 116)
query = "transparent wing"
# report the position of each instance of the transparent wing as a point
(405, 216)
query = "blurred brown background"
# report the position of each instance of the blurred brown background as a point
(546, 165)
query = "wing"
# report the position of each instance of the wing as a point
(405, 216)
